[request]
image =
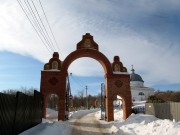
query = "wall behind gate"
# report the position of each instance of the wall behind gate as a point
(170, 110)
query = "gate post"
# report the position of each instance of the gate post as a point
(62, 95)
(109, 109)
(61, 109)
(109, 100)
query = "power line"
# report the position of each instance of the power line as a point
(35, 25)
(26, 13)
(43, 25)
(38, 23)
(49, 27)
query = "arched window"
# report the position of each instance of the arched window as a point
(47, 67)
(55, 65)
(141, 93)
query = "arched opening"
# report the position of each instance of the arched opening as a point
(102, 59)
(86, 83)
(98, 56)
(52, 107)
(118, 104)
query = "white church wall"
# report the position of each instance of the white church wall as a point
(140, 94)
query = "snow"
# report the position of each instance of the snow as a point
(118, 97)
(142, 105)
(51, 114)
(121, 73)
(52, 70)
(146, 125)
(139, 124)
(54, 127)
(77, 114)
(139, 102)
(48, 127)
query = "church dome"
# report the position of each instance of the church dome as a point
(135, 77)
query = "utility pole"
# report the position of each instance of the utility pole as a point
(86, 98)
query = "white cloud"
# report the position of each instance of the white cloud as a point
(83, 66)
(116, 27)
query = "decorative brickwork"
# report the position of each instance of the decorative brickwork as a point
(87, 43)
(54, 63)
(117, 65)
(53, 78)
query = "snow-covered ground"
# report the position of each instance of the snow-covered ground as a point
(139, 124)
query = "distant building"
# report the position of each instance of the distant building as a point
(138, 91)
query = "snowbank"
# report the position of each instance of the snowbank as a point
(118, 115)
(141, 124)
(51, 114)
(49, 128)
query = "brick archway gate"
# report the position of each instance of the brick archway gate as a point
(117, 80)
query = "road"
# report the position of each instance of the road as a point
(88, 124)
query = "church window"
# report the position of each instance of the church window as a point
(141, 93)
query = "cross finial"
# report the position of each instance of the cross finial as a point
(132, 69)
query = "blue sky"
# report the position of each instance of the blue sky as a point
(144, 33)
(18, 71)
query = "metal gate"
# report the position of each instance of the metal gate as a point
(103, 102)
(68, 93)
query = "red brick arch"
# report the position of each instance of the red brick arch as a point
(101, 58)
(117, 80)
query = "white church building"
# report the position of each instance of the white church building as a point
(138, 91)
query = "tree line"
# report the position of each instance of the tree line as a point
(164, 96)
(79, 101)
(27, 91)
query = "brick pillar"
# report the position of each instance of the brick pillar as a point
(127, 110)
(61, 109)
(109, 100)
(109, 109)
(62, 97)
(127, 106)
